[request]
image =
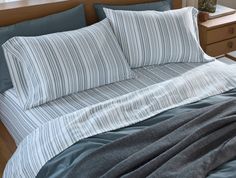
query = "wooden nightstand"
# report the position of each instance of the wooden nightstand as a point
(218, 36)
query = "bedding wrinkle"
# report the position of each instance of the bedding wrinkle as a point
(21, 123)
(189, 145)
(202, 82)
(74, 155)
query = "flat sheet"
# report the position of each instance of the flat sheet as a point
(20, 123)
(66, 162)
(53, 137)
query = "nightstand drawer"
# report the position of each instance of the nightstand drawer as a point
(220, 48)
(221, 34)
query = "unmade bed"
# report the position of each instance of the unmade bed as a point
(133, 95)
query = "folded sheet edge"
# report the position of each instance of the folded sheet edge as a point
(55, 136)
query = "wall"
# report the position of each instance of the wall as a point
(229, 3)
(190, 3)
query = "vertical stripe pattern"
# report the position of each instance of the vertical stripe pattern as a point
(21, 123)
(47, 67)
(55, 136)
(151, 37)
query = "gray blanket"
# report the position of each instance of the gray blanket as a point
(189, 145)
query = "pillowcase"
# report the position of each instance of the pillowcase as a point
(151, 37)
(68, 20)
(47, 67)
(159, 6)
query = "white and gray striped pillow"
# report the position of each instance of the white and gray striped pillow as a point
(47, 67)
(151, 37)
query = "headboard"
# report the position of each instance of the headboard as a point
(14, 12)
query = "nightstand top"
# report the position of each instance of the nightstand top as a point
(221, 21)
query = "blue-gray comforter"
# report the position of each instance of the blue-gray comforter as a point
(134, 151)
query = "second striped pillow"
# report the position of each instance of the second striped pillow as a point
(151, 37)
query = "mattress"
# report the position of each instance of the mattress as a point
(21, 122)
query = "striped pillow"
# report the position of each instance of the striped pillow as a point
(151, 37)
(47, 67)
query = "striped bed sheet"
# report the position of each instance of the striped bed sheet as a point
(21, 123)
(56, 135)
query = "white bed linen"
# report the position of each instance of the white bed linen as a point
(55, 136)
(20, 123)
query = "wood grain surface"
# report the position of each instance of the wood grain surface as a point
(14, 12)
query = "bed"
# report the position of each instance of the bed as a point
(32, 119)
(124, 129)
